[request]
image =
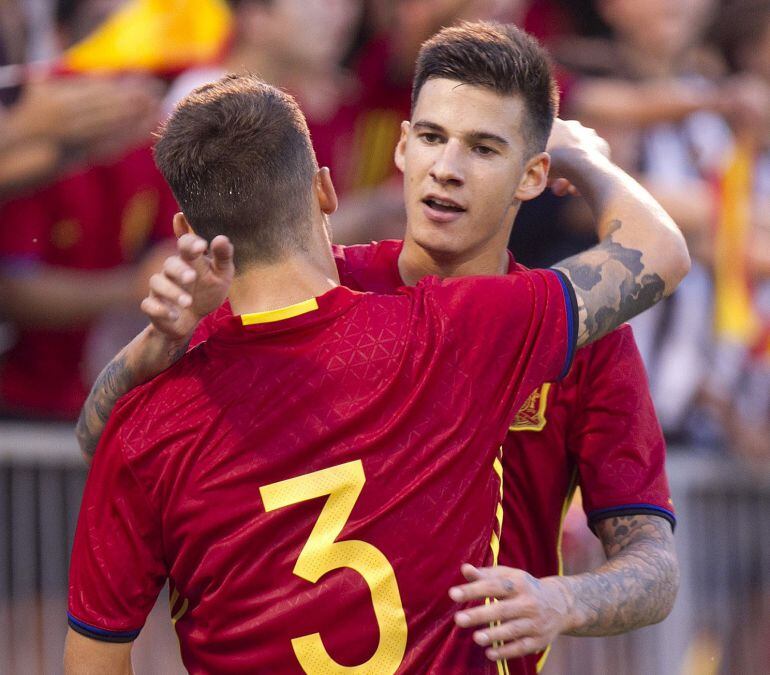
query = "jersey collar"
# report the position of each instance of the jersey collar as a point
(281, 313)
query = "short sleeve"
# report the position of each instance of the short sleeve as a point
(517, 331)
(616, 439)
(117, 568)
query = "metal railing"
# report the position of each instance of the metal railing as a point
(720, 623)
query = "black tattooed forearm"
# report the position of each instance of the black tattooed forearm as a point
(115, 380)
(637, 585)
(611, 285)
(154, 352)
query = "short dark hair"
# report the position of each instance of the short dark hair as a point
(238, 157)
(499, 57)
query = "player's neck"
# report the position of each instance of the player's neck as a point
(292, 280)
(416, 262)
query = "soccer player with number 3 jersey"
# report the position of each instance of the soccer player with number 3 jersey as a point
(312, 475)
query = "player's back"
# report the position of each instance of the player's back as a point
(319, 479)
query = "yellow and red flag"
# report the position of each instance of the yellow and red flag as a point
(162, 36)
(735, 317)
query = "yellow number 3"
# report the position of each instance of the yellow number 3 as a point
(322, 553)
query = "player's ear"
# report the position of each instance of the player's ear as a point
(535, 177)
(324, 188)
(181, 225)
(401, 147)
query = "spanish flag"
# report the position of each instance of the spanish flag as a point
(162, 36)
(735, 317)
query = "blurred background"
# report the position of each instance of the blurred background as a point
(681, 90)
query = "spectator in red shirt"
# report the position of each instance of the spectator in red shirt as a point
(69, 253)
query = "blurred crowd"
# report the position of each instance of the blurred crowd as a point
(680, 89)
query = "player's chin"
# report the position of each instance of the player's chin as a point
(443, 246)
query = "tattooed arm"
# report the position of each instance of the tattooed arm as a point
(145, 356)
(641, 256)
(636, 587)
(190, 286)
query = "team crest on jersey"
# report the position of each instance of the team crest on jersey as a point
(531, 416)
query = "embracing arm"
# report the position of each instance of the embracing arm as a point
(190, 286)
(641, 256)
(636, 587)
(84, 656)
(148, 354)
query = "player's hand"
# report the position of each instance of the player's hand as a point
(571, 141)
(530, 612)
(191, 285)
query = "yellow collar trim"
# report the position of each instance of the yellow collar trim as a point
(281, 313)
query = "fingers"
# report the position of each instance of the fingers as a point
(510, 627)
(505, 632)
(470, 572)
(192, 250)
(169, 290)
(487, 584)
(163, 287)
(222, 254)
(504, 610)
(516, 649)
(158, 310)
(179, 272)
(561, 187)
(191, 247)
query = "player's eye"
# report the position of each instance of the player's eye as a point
(483, 150)
(430, 138)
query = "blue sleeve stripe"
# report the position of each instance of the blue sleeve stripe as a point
(101, 633)
(572, 320)
(631, 510)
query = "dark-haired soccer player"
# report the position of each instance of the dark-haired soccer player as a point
(606, 430)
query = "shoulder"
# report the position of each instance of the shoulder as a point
(356, 256)
(143, 416)
(506, 299)
(369, 267)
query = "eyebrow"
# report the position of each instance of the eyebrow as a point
(472, 136)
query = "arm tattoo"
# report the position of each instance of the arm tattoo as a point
(637, 585)
(611, 286)
(117, 379)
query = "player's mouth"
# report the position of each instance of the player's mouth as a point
(441, 210)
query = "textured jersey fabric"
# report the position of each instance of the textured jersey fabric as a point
(324, 474)
(596, 429)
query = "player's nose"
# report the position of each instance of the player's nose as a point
(447, 167)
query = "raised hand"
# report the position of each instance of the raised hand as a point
(191, 285)
(568, 141)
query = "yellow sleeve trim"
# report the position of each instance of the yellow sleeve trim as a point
(281, 313)
(573, 481)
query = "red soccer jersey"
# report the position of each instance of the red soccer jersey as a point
(392, 406)
(596, 428)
